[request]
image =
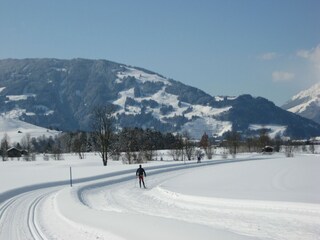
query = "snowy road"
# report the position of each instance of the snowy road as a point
(113, 207)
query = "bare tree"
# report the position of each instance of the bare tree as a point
(177, 149)
(57, 149)
(26, 145)
(176, 154)
(233, 141)
(312, 148)
(149, 149)
(66, 141)
(289, 149)
(264, 138)
(189, 146)
(102, 126)
(128, 143)
(149, 154)
(250, 144)
(80, 144)
(26, 142)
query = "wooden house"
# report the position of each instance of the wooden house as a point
(14, 152)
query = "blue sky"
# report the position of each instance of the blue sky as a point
(268, 48)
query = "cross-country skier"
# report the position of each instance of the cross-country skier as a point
(139, 173)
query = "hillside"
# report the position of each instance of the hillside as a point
(61, 94)
(16, 130)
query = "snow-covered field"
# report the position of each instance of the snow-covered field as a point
(251, 197)
(16, 129)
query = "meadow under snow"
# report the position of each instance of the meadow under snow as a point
(251, 197)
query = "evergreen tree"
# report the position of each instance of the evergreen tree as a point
(5, 146)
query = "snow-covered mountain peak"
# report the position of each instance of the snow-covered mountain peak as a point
(306, 103)
(311, 93)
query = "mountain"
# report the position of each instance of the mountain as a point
(306, 103)
(62, 94)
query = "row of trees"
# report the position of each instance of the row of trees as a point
(137, 144)
(134, 145)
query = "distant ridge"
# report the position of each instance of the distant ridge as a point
(61, 94)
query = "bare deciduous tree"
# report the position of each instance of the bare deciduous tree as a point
(189, 146)
(177, 151)
(80, 144)
(289, 149)
(102, 127)
(26, 145)
(312, 148)
(264, 138)
(57, 149)
(233, 141)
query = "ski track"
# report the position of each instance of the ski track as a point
(19, 216)
(42, 215)
(262, 219)
(20, 213)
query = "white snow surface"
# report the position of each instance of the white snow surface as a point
(222, 98)
(251, 197)
(141, 76)
(312, 92)
(202, 117)
(17, 129)
(275, 130)
(310, 96)
(207, 125)
(300, 108)
(18, 112)
(20, 97)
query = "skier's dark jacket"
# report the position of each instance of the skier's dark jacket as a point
(141, 172)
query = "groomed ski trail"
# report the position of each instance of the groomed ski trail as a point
(111, 206)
